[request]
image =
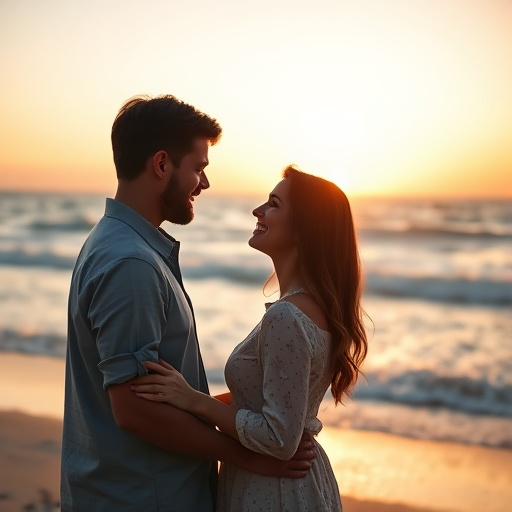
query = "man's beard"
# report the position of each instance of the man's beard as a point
(176, 203)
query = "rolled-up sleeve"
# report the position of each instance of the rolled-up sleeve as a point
(127, 314)
(122, 367)
(285, 353)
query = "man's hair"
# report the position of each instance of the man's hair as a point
(147, 125)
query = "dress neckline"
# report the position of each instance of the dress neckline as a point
(293, 292)
(287, 294)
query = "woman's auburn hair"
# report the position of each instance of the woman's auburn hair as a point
(330, 265)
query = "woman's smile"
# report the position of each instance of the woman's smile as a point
(260, 228)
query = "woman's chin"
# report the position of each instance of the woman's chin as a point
(253, 242)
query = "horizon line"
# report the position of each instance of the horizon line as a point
(354, 195)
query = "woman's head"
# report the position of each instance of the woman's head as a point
(315, 220)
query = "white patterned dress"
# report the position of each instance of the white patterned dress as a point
(278, 376)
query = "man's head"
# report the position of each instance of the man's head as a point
(146, 125)
(160, 148)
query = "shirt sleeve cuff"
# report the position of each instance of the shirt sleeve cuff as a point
(123, 367)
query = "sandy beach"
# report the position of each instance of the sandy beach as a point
(375, 472)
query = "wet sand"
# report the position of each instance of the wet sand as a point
(375, 472)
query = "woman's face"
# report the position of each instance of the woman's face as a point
(273, 234)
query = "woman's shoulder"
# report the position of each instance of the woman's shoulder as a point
(306, 305)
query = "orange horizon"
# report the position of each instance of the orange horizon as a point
(410, 99)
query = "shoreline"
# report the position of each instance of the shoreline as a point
(30, 466)
(376, 472)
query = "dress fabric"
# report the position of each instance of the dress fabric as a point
(278, 377)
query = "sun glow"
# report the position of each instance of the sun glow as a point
(381, 98)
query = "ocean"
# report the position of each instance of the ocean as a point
(438, 295)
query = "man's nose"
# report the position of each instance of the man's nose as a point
(204, 181)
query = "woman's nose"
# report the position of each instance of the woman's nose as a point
(258, 212)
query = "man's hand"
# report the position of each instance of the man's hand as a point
(297, 467)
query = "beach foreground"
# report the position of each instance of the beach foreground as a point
(375, 472)
(30, 460)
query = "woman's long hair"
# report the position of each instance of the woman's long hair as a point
(330, 265)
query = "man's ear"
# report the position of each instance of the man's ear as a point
(161, 164)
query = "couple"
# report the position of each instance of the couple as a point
(140, 434)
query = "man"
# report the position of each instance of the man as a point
(127, 305)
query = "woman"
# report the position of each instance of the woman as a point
(312, 337)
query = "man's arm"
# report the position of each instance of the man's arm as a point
(180, 432)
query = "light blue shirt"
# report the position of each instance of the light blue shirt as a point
(126, 305)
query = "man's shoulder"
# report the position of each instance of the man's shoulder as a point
(112, 242)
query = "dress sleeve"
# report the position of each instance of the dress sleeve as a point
(127, 318)
(285, 352)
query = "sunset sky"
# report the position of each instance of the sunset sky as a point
(393, 97)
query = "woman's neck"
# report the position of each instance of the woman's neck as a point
(288, 275)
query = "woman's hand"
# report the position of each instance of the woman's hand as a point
(297, 467)
(164, 384)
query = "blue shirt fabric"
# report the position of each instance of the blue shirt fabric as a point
(126, 305)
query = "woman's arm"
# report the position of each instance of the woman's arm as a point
(165, 384)
(179, 432)
(286, 352)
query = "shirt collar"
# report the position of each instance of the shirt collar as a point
(161, 241)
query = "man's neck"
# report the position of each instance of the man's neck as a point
(135, 197)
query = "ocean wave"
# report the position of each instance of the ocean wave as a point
(456, 290)
(37, 343)
(31, 258)
(411, 388)
(438, 424)
(254, 276)
(83, 224)
(427, 232)
(78, 225)
(422, 404)
(426, 388)
(449, 289)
